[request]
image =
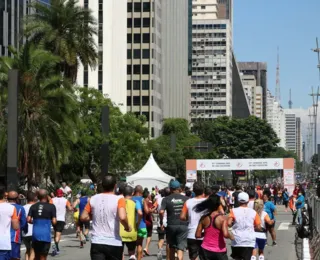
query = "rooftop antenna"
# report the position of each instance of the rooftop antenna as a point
(290, 101)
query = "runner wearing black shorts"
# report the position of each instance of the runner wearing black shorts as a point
(42, 215)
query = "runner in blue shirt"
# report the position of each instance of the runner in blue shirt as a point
(270, 208)
(42, 215)
(16, 234)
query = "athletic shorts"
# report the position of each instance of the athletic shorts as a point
(208, 255)
(86, 224)
(130, 245)
(161, 233)
(15, 250)
(40, 247)
(4, 255)
(27, 241)
(59, 227)
(142, 232)
(194, 248)
(244, 253)
(177, 236)
(270, 226)
(261, 243)
(98, 252)
(149, 231)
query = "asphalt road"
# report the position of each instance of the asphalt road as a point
(285, 250)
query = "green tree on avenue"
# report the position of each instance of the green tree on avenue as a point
(48, 111)
(67, 30)
(238, 138)
(173, 161)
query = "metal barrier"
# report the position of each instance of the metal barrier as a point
(313, 203)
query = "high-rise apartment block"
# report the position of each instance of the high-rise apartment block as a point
(299, 139)
(291, 130)
(259, 71)
(211, 81)
(110, 74)
(277, 119)
(254, 94)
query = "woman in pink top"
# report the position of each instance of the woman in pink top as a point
(215, 228)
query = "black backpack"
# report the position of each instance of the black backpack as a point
(236, 201)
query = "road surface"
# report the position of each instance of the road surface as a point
(285, 250)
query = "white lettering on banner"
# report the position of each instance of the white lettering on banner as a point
(240, 164)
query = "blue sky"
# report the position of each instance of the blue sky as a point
(262, 25)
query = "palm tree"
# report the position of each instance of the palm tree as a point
(67, 30)
(48, 110)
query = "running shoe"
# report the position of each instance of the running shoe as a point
(81, 244)
(159, 255)
(274, 243)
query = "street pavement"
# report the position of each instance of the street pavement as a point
(285, 250)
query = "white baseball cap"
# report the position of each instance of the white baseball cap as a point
(243, 197)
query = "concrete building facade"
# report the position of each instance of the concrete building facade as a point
(175, 54)
(211, 81)
(144, 62)
(259, 71)
(254, 94)
(110, 74)
(277, 119)
(291, 130)
(299, 139)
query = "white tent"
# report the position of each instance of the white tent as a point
(150, 176)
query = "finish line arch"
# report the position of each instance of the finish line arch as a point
(285, 164)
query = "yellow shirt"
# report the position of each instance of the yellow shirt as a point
(131, 215)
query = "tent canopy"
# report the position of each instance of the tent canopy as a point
(150, 176)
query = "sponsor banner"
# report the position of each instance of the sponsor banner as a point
(288, 177)
(240, 164)
(191, 175)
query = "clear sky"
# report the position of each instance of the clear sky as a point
(262, 25)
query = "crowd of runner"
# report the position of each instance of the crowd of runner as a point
(122, 218)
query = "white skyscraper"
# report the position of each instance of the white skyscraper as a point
(276, 118)
(110, 76)
(211, 82)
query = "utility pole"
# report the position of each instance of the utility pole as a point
(315, 100)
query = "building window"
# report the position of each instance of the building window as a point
(136, 69)
(129, 71)
(145, 84)
(137, 38)
(129, 101)
(136, 100)
(146, 22)
(129, 38)
(145, 53)
(100, 77)
(147, 115)
(100, 87)
(145, 100)
(203, 7)
(146, 7)
(145, 69)
(128, 84)
(152, 132)
(129, 54)
(137, 54)
(146, 38)
(100, 17)
(129, 7)
(137, 7)
(136, 85)
(137, 22)
(129, 22)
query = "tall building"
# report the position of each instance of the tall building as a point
(110, 75)
(254, 94)
(175, 39)
(291, 130)
(299, 139)
(144, 58)
(259, 71)
(211, 81)
(277, 119)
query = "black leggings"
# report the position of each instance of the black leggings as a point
(209, 255)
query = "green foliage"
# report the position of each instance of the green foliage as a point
(67, 30)
(238, 138)
(173, 162)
